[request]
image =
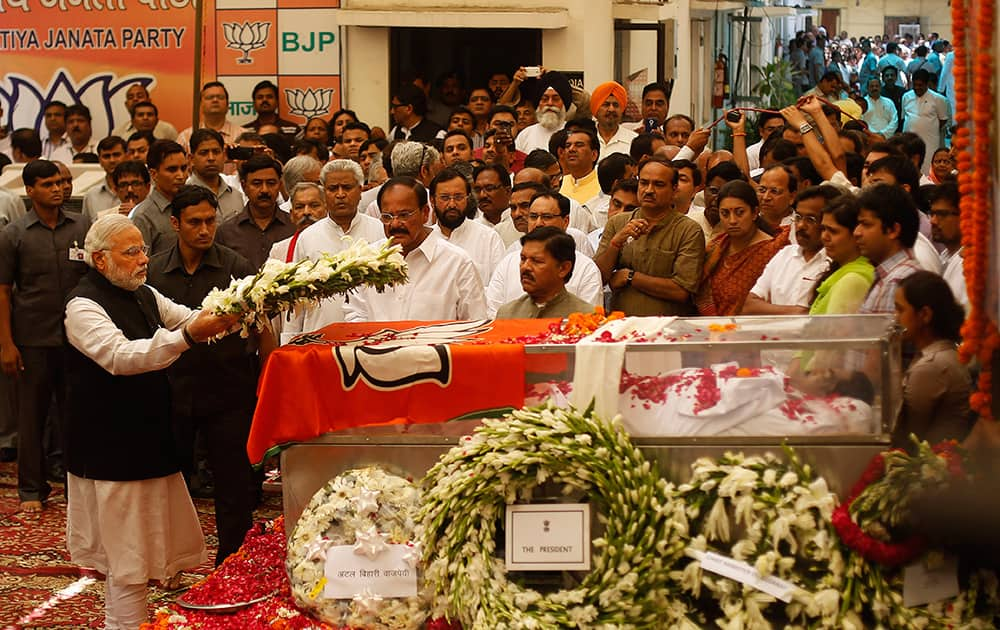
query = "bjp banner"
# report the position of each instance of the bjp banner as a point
(352, 375)
(292, 43)
(90, 52)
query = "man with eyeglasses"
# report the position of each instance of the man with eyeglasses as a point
(408, 108)
(214, 107)
(946, 227)
(131, 180)
(185, 274)
(451, 196)
(546, 208)
(41, 261)
(775, 193)
(442, 282)
(787, 283)
(122, 460)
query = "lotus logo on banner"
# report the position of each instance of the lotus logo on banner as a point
(309, 102)
(246, 37)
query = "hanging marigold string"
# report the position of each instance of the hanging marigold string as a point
(972, 143)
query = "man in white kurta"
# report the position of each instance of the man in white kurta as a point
(442, 281)
(451, 195)
(342, 181)
(925, 113)
(129, 514)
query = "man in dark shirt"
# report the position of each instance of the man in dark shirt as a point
(265, 103)
(41, 256)
(262, 224)
(168, 167)
(185, 273)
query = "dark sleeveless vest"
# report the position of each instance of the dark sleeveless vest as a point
(118, 427)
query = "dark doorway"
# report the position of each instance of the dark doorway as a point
(471, 52)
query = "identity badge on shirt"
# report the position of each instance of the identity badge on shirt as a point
(77, 254)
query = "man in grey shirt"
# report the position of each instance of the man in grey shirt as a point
(168, 166)
(41, 261)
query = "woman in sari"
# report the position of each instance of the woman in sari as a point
(736, 258)
(842, 289)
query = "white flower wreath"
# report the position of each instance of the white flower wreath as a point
(774, 515)
(501, 463)
(368, 507)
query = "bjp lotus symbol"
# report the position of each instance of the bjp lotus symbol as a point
(246, 37)
(309, 102)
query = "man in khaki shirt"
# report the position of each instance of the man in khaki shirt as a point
(652, 257)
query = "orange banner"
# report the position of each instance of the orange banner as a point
(350, 375)
(90, 52)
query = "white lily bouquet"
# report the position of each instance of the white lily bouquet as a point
(281, 286)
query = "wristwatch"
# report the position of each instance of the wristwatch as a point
(805, 128)
(629, 277)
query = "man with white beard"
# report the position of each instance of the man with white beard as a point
(555, 97)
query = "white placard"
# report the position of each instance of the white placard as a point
(923, 586)
(388, 575)
(745, 574)
(548, 537)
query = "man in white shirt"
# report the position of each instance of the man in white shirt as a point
(451, 196)
(767, 123)
(149, 119)
(787, 283)
(947, 230)
(56, 147)
(442, 280)
(925, 113)
(881, 115)
(110, 153)
(607, 104)
(214, 107)
(342, 181)
(307, 205)
(546, 208)
(555, 98)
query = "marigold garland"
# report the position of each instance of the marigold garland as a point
(980, 335)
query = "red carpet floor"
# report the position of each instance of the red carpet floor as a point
(35, 570)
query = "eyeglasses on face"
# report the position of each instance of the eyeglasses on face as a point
(134, 251)
(488, 188)
(808, 218)
(543, 217)
(405, 215)
(449, 198)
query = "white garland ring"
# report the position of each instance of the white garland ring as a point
(353, 502)
(502, 462)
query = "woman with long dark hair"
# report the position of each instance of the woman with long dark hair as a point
(937, 385)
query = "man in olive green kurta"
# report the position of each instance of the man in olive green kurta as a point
(547, 258)
(652, 257)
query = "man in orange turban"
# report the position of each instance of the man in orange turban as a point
(607, 104)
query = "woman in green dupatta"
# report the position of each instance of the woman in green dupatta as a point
(843, 288)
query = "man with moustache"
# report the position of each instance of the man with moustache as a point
(491, 183)
(208, 157)
(607, 104)
(655, 104)
(110, 153)
(262, 223)
(79, 130)
(123, 467)
(185, 274)
(580, 181)
(168, 167)
(131, 180)
(56, 146)
(41, 260)
(546, 262)
(545, 209)
(451, 195)
(442, 282)
(137, 145)
(555, 98)
(265, 104)
(135, 94)
(308, 205)
(341, 181)
(776, 193)
(652, 257)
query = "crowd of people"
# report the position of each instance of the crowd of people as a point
(518, 197)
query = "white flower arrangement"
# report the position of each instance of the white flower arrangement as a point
(281, 286)
(773, 515)
(368, 508)
(467, 491)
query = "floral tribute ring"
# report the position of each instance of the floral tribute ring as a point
(770, 519)
(467, 491)
(372, 511)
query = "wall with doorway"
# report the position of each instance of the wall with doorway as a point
(864, 18)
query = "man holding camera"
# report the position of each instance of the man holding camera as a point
(498, 142)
